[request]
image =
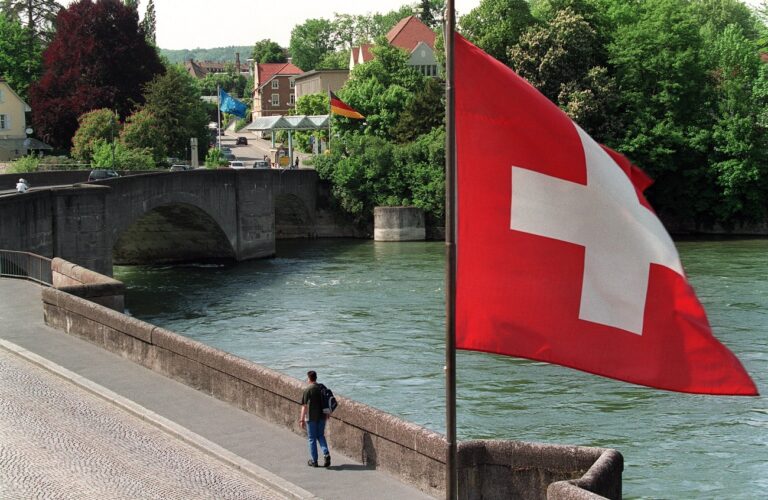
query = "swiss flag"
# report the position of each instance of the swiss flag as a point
(559, 256)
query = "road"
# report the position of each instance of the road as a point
(256, 148)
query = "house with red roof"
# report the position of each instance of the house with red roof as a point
(411, 35)
(273, 88)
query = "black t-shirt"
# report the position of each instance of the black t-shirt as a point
(314, 400)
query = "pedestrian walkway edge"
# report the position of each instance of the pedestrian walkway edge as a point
(225, 456)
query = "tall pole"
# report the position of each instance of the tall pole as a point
(218, 113)
(451, 475)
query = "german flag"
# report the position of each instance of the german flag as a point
(341, 108)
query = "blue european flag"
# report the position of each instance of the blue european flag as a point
(228, 104)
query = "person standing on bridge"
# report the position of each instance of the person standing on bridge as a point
(313, 420)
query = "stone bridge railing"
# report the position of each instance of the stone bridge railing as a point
(487, 469)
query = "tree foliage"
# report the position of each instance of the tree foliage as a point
(311, 42)
(18, 67)
(267, 51)
(149, 23)
(496, 25)
(142, 130)
(37, 16)
(118, 156)
(97, 125)
(98, 58)
(174, 101)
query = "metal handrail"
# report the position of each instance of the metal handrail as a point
(26, 265)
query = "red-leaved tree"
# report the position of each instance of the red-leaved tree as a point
(99, 58)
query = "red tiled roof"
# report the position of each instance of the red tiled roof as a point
(268, 70)
(409, 32)
(366, 48)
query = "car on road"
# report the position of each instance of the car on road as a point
(180, 168)
(100, 174)
(236, 164)
(228, 155)
(261, 164)
(242, 141)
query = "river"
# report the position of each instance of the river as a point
(369, 318)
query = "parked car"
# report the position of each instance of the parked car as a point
(242, 141)
(236, 164)
(261, 164)
(228, 155)
(180, 168)
(100, 174)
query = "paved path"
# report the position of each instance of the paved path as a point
(64, 442)
(268, 456)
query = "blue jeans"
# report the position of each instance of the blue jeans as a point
(315, 430)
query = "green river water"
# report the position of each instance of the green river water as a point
(369, 318)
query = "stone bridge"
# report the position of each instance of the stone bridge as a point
(200, 215)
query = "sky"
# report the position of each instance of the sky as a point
(190, 24)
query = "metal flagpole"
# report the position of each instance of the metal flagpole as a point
(330, 116)
(218, 111)
(451, 475)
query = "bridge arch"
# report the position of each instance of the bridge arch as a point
(175, 232)
(173, 217)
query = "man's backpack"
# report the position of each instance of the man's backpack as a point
(329, 402)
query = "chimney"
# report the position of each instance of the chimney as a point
(237, 62)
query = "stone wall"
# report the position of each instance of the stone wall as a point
(88, 284)
(487, 469)
(398, 224)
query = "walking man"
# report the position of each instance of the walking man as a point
(313, 420)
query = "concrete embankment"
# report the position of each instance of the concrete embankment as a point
(487, 469)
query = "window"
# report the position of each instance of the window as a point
(275, 84)
(275, 99)
(4, 122)
(293, 84)
(292, 99)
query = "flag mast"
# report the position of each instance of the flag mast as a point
(451, 475)
(218, 114)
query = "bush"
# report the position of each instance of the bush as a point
(25, 164)
(125, 158)
(214, 159)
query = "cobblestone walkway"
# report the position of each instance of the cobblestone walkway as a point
(58, 441)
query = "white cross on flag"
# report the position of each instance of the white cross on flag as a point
(560, 258)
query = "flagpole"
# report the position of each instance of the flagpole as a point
(218, 112)
(330, 117)
(451, 475)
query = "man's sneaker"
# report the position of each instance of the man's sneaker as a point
(312, 464)
(327, 461)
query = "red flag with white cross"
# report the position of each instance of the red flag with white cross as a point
(560, 258)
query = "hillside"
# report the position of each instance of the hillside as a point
(222, 54)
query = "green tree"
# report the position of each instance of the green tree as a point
(740, 157)
(97, 125)
(121, 157)
(658, 63)
(149, 23)
(18, 67)
(431, 13)
(174, 101)
(496, 25)
(334, 60)
(142, 130)
(381, 90)
(38, 17)
(267, 51)
(566, 60)
(311, 42)
(424, 112)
